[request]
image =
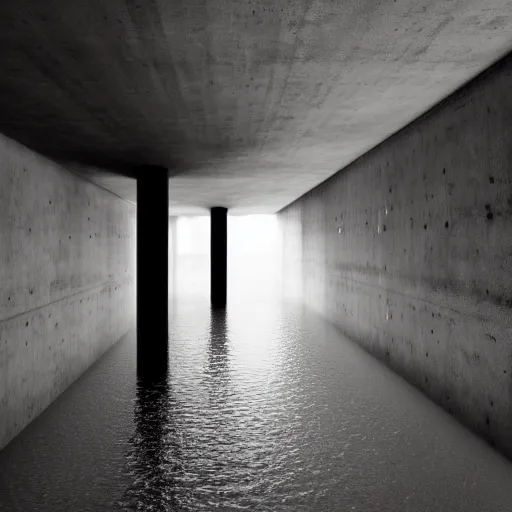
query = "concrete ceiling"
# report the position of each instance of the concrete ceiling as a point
(248, 103)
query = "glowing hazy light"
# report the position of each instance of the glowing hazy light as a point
(254, 254)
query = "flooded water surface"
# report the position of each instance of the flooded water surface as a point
(264, 407)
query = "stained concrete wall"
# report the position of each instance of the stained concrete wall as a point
(409, 251)
(67, 254)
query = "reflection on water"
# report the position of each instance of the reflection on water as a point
(154, 455)
(263, 407)
(216, 373)
(213, 433)
(158, 450)
(268, 408)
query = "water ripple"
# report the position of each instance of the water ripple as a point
(266, 410)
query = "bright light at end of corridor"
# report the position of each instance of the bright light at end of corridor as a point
(254, 255)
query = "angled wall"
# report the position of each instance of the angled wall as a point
(409, 251)
(67, 255)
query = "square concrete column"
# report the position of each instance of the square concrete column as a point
(218, 256)
(173, 255)
(152, 268)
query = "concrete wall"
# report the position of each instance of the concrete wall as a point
(409, 251)
(67, 254)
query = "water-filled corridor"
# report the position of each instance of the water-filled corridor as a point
(265, 407)
(256, 256)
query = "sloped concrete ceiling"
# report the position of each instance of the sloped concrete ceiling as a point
(248, 103)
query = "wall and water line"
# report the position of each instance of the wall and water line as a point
(408, 251)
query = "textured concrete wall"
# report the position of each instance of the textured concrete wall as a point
(409, 251)
(67, 251)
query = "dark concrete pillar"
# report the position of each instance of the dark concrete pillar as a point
(152, 269)
(218, 256)
(173, 254)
